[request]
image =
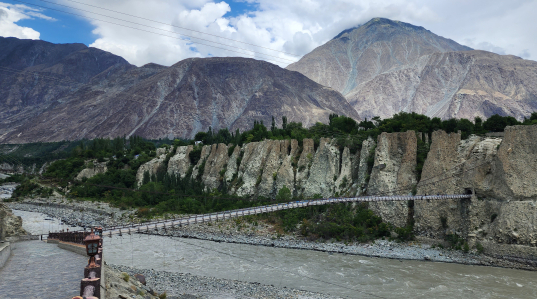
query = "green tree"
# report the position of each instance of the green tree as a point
(284, 194)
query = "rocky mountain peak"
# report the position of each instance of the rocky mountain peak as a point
(377, 25)
(384, 67)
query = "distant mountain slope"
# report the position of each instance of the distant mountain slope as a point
(74, 92)
(384, 67)
(36, 74)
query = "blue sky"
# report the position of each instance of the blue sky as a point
(69, 28)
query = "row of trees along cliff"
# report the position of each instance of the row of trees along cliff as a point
(114, 165)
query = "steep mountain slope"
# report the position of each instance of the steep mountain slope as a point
(384, 67)
(78, 92)
(35, 75)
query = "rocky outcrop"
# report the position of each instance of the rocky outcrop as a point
(514, 168)
(205, 152)
(281, 152)
(368, 147)
(394, 173)
(304, 164)
(215, 166)
(98, 167)
(324, 170)
(252, 166)
(180, 163)
(10, 225)
(153, 166)
(285, 176)
(233, 164)
(501, 215)
(452, 167)
(261, 169)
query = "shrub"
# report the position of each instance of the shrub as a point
(125, 276)
(284, 194)
(479, 248)
(230, 150)
(443, 221)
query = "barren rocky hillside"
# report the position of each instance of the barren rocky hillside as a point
(384, 67)
(69, 92)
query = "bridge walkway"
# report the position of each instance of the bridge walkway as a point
(40, 270)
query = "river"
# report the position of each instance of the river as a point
(336, 274)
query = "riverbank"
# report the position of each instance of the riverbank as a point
(75, 213)
(261, 233)
(188, 286)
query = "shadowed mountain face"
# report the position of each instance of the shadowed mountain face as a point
(384, 67)
(69, 92)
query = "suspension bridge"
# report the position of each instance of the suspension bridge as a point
(203, 218)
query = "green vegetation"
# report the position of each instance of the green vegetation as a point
(28, 187)
(162, 193)
(479, 248)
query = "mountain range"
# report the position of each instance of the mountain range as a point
(52, 92)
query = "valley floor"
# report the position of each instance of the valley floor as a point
(85, 213)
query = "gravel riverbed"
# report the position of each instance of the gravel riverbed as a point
(79, 213)
(188, 286)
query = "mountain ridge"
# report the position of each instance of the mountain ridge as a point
(153, 101)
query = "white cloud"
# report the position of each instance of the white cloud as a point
(11, 14)
(297, 27)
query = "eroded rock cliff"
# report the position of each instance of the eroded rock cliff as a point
(263, 168)
(394, 173)
(501, 215)
(500, 173)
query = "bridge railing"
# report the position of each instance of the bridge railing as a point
(71, 237)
